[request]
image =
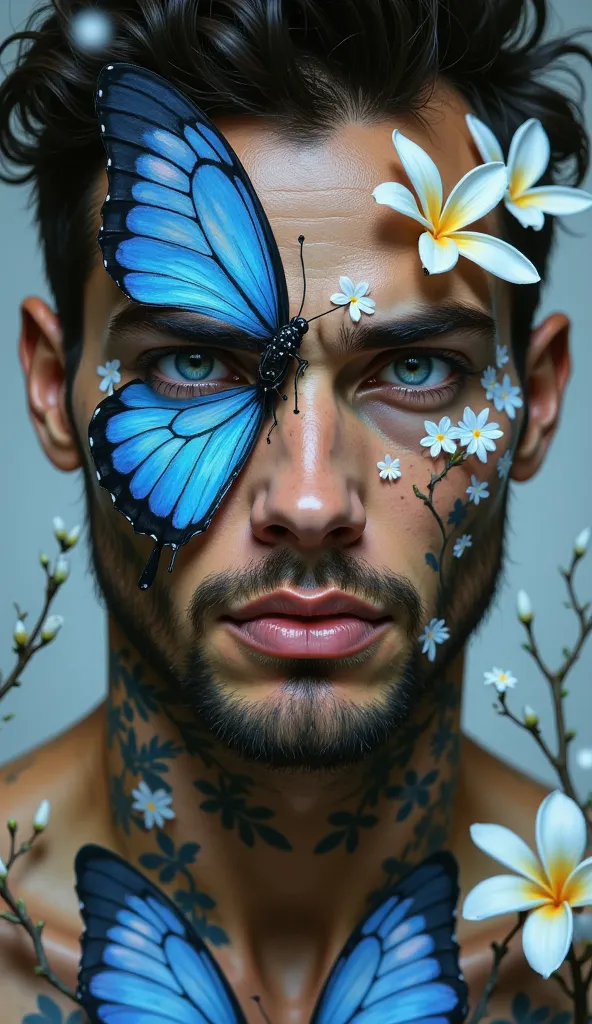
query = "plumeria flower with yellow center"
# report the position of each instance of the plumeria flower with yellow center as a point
(357, 297)
(547, 886)
(528, 159)
(444, 238)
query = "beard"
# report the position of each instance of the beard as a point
(303, 725)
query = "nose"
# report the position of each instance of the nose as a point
(310, 490)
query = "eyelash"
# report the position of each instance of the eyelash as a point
(442, 392)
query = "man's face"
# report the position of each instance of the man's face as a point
(310, 513)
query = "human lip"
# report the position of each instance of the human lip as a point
(329, 625)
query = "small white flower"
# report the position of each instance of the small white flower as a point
(504, 464)
(439, 436)
(110, 374)
(19, 633)
(354, 295)
(548, 886)
(41, 817)
(59, 528)
(528, 159)
(501, 356)
(461, 545)
(390, 469)
(506, 397)
(62, 570)
(51, 627)
(436, 632)
(444, 238)
(3, 870)
(155, 806)
(581, 542)
(530, 716)
(524, 607)
(584, 758)
(500, 678)
(478, 490)
(477, 434)
(489, 381)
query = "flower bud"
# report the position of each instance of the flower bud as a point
(42, 816)
(59, 528)
(530, 716)
(584, 758)
(44, 560)
(3, 870)
(11, 825)
(72, 537)
(20, 635)
(62, 570)
(525, 612)
(581, 542)
(51, 627)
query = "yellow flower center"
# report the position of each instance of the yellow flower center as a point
(439, 437)
(354, 299)
(150, 806)
(503, 677)
(476, 433)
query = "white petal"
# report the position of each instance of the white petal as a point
(578, 888)
(546, 937)
(105, 384)
(475, 195)
(497, 257)
(560, 835)
(484, 139)
(367, 305)
(347, 286)
(529, 216)
(401, 199)
(340, 299)
(437, 255)
(528, 159)
(509, 849)
(354, 311)
(422, 173)
(501, 894)
(361, 289)
(557, 199)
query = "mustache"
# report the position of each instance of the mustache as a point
(285, 567)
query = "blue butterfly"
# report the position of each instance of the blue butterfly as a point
(143, 963)
(183, 227)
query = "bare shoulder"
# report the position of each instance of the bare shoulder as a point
(65, 771)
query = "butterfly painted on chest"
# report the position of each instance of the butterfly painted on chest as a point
(183, 227)
(143, 963)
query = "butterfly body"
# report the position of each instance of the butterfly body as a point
(276, 359)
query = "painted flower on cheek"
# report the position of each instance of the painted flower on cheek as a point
(461, 545)
(504, 464)
(506, 397)
(477, 434)
(356, 296)
(528, 159)
(477, 490)
(110, 374)
(547, 886)
(439, 436)
(436, 632)
(389, 468)
(489, 381)
(501, 356)
(444, 238)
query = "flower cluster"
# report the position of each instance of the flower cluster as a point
(473, 432)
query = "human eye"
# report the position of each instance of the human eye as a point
(188, 373)
(424, 376)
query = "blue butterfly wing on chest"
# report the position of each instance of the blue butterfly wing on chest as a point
(183, 228)
(141, 962)
(401, 965)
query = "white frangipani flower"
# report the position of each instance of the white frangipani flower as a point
(548, 885)
(581, 542)
(439, 436)
(489, 382)
(444, 238)
(354, 295)
(477, 490)
(501, 678)
(504, 464)
(524, 607)
(41, 816)
(461, 545)
(584, 758)
(477, 434)
(155, 806)
(506, 397)
(501, 356)
(110, 374)
(51, 627)
(528, 159)
(390, 469)
(436, 632)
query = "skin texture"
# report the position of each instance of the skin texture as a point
(277, 910)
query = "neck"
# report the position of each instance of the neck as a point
(250, 847)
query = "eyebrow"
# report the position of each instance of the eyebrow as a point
(185, 324)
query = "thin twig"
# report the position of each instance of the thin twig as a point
(499, 952)
(30, 648)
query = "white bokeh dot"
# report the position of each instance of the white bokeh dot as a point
(584, 757)
(91, 29)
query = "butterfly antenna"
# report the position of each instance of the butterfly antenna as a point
(301, 243)
(257, 999)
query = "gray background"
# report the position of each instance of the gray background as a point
(64, 682)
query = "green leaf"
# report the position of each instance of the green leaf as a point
(330, 842)
(527, 648)
(272, 837)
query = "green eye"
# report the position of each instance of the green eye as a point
(193, 366)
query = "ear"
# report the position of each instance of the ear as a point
(547, 370)
(43, 362)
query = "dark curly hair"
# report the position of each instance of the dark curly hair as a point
(303, 64)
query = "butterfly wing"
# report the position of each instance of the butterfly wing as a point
(182, 223)
(167, 462)
(401, 964)
(141, 962)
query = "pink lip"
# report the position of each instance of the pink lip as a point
(328, 625)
